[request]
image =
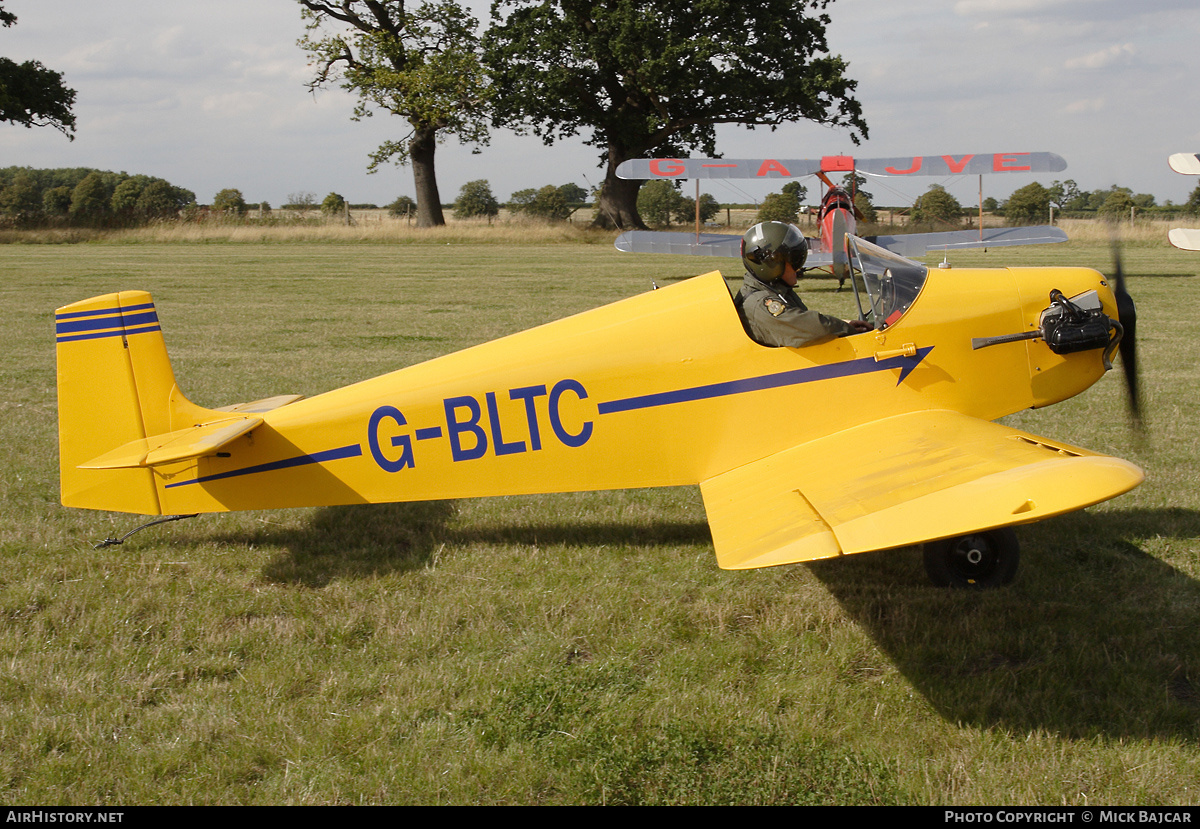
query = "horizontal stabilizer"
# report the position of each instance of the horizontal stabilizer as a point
(260, 406)
(918, 244)
(1186, 163)
(915, 478)
(174, 446)
(1185, 238)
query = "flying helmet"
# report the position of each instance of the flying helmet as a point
(769, 246)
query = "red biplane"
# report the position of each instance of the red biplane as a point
(837, 215)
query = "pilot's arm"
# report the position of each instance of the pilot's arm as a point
(776, 323)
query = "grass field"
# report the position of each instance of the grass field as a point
(565, 649)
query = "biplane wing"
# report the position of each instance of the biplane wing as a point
(677, 242)
(918, 244)
(907, 245)
(1185, 238)
(771, 168)
(1186, 163)
(913, 477)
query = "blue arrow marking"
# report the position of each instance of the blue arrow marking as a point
(863, 365)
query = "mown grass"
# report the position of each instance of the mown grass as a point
(577, 648)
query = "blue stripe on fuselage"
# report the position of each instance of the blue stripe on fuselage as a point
(863, 365)
(352, 451)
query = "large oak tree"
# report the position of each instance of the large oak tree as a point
(32, 95)
(417, 60)
(643, 78)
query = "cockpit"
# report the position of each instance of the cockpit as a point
(885, 283)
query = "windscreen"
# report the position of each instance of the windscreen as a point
(886, 283)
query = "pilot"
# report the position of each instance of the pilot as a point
(774, 254)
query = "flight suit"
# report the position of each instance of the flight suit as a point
(774, 315)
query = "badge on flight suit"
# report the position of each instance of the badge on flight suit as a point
(775, 307)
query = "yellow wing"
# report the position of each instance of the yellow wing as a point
(898, 481)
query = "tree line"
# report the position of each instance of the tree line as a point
(88, 198)
(1036, 203)
(84, 197)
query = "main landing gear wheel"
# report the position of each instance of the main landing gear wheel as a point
(979, 560)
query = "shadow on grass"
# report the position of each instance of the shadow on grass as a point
(357, 541)
(1095, 637)
(364, 541)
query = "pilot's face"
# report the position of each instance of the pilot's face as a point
(789, 275)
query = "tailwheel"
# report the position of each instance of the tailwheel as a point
(980, 560)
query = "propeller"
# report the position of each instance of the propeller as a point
(1127, 316)
(837, 247)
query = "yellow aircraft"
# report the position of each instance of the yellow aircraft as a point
(873, 441)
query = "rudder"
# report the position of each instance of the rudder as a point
(115, 385)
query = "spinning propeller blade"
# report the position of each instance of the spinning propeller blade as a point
(837, 247)
(1127, 316)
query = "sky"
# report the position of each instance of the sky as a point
(211, 95)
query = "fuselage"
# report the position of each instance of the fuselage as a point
(837, 206)
(660, 389)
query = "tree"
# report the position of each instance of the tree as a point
(125, 195)
(56, 201)
(573, 194)
(1192, 205)
(1097, 198)
(545, 203)
(777, 207)
(476, 199)
(333, 205)
(229, 201)
(142, 198)
(417, 61)
(161, 200)
(936, 206)
(783, 206)
(402, 206)
(32, 95)
(303, 201)
(658, 201)
(862, 201)
(21, 200)
(1027, 205)
(796, 191)
(685, 212)
(1117, 204)
(656, 80)
(91, 200)
(1067, 195)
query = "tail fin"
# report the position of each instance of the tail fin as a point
(115, 385)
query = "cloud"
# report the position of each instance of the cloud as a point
(1117, 53)
(1085, 105)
